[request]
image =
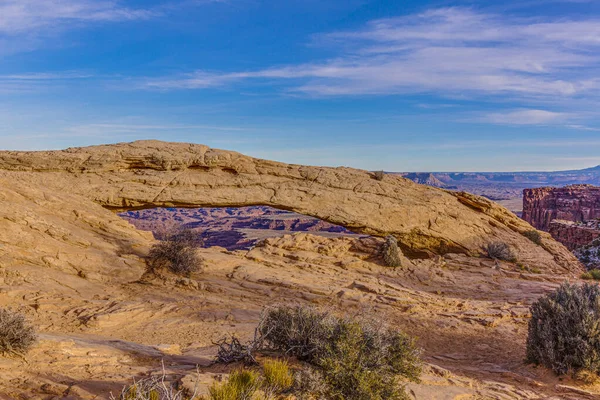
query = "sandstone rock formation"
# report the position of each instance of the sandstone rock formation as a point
(571, 203)
(77, 271)
(154, 174)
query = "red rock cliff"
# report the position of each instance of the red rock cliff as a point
(573, 235)
(576, 203)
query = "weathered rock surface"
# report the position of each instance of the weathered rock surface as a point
(575, 203)
(77, 271)
(156, 174)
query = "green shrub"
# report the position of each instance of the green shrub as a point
(500, 251)
(241, 385)
(356, 359)
(16, 335)
(277, 377)
(176, 252)
(361, 362)
(593, 274)
(534, 236)
(564, 330)
(390, 252)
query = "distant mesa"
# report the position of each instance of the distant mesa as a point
(504, 185)
(425, 179)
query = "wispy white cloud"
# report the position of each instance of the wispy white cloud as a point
(526, 117)
(445, 51)
(30, 82)
(28, 16)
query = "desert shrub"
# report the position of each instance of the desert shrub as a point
(296, 331)
(241, 385)
(360, 362)
(16, 335)
(277, 377)
(378, 175)
(591, 275)
(500, 251)
(357, 359)
(390, 252)
(534, 236)
(564, 332)
(176, 252)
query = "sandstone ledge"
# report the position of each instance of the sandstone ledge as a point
(148, 174)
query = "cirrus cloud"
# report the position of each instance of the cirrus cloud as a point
(449, 51)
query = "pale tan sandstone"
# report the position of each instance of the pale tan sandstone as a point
(152, 174)
(77, 271)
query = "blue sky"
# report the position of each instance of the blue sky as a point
(395, 85)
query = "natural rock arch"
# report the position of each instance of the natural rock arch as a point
(148, 174)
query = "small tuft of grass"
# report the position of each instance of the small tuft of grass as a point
(587, 377)
(593, 274)
(526, 268)
(242, 384)
(277, 377)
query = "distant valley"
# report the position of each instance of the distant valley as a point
(504, 187)
(233, 228)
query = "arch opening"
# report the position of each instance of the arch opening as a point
(234, 228)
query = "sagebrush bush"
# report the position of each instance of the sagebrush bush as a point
(500, 251)
(390, 252)
(176, 252)
(241, 385)
(16, 335)
(564, 330)
(359, 363)
(378, 175)
(356, 359)
(296, 331)
(534, 236)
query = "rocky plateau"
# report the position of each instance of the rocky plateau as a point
(77, 270)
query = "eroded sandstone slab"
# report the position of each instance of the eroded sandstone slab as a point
(155, 174)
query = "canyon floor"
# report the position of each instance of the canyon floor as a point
(77, 270)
